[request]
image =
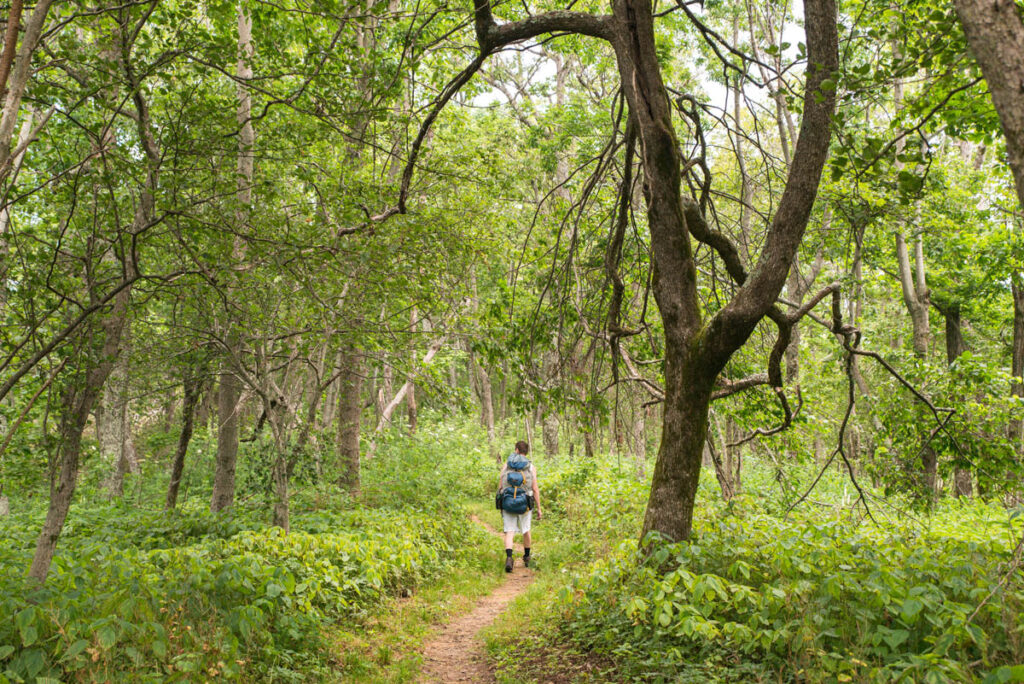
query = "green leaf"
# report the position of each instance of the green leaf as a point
(895, 637)
(5, 651)
(107, 636)
(159, 649)
(29, 635)
(909, 611)
(34, 661)
(76, 648)
(25, 618)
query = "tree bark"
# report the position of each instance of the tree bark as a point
(350, 409)
(228, 395)
(549, 421)
(5, 212)
(327, 415)
(410, 396)
(188, 411)
(277, 416)
(230, 386)
(10, 43)
(1015, 429)
(1017, 363)
(113, 427)
(915, 295)
(995, 35)
(80, 395)
(16, 84)
(486, 406)
(955, 346)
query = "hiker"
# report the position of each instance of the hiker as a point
(517, 496)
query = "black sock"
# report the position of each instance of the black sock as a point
(526, 552)
(508, 553)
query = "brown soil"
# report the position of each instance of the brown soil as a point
(456, 654)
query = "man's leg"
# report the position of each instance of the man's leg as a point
(509, 536)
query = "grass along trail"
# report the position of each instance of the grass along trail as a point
(457, 654)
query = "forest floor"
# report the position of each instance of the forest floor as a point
(457, 653)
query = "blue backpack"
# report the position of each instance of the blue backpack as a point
(516, 498)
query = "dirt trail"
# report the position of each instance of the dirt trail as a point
(456, 654)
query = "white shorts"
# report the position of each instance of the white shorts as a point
(516, 522)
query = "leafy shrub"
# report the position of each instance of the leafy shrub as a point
(811, 597)
(151, 596)
(442, 462)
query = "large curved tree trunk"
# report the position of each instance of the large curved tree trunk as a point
(696, 353)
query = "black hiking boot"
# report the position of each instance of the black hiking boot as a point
(526, 561)
(509, 562)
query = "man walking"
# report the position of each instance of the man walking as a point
(519, 495)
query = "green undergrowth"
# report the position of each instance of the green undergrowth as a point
(820, 594)
(387, 647)
(136, 594)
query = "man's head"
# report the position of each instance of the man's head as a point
(522, 447)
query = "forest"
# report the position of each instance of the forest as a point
(284, 282)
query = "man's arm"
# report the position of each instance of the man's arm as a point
(536, 491)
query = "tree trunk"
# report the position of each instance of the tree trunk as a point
(386, 389)
(278, 418)
(5, 212)
(1017, 362)
(230, 386)
(410, 396)
(722, 461)
(955, 346)
(549, 433)
(314, 395)
(208, 399)
(915, 298)
(995, 35)
(549, 422)
(350, 408)
(80, 395)
(100, 342)
(487, 408)
(15, 85)
(794, 288)
(327, 415)
(528, 424)
(1015, 429)
(113, 427)
(100, 347)
(696, 352)
(228, 394)
(188, 411)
